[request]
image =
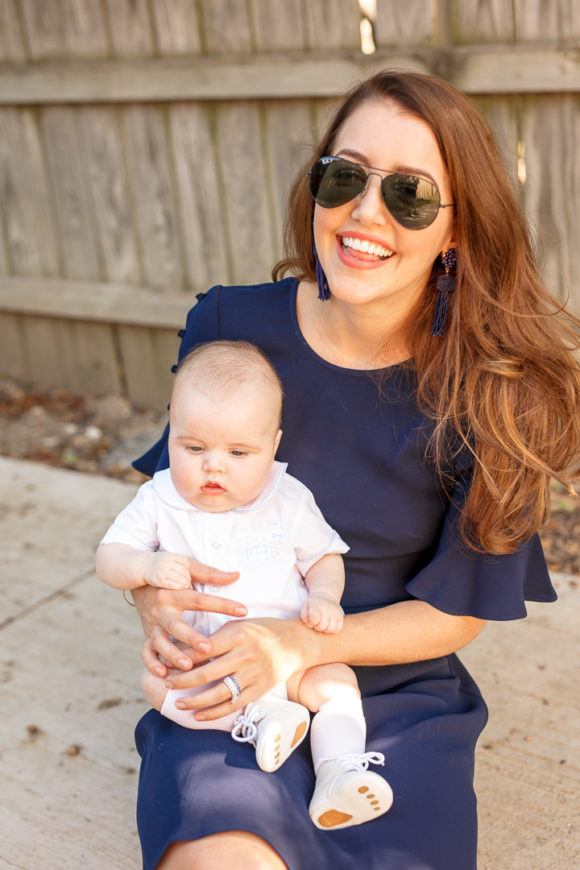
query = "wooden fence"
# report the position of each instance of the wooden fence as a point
(146, 147)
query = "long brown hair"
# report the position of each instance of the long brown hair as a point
(503, 383)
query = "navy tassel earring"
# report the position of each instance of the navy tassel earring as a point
(445, 286)
(323, 288)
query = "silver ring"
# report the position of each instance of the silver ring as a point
(233, 686)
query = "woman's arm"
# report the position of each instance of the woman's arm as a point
(261, 653)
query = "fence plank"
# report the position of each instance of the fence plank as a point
(4, 264)
(501, 114)
(289, 134)
(155, 215)
(202, 218)
(323, 111)
(249, 215)
(89, 358)
(107, 176)
(43, 345)
(408, 23)
(13, 359)
(558, 20)
(147, 356)
(225, 26)
(29, 225)
(32, 245)
(84, 29)
(92, 301)
(482, 21)
(551, 136)
(503, 72)
(44, 28)
(177, 26)
(68, 180)
(333, 24)
(479, 70)
(130, 27)
(11, 42)
(80, 357)
(278, 24)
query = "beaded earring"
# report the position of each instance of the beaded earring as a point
(445, 286)
(323, 288)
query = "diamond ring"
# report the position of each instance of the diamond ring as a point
(233, 686)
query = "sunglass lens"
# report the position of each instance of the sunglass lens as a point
(412, 201)
(335, 182)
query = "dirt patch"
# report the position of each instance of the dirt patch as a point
(103, 435)
(98, 435)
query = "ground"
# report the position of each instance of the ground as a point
(102, 436)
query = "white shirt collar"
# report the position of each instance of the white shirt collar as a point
(166, 491)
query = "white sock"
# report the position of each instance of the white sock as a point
(339, 728)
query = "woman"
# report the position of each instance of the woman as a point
(430, 396)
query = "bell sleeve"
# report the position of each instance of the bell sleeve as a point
(462, 582)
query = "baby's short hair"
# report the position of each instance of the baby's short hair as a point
(224, 366)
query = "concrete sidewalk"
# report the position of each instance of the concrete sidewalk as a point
(69, 668)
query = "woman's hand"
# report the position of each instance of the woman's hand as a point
(259, 654)
(160, 611)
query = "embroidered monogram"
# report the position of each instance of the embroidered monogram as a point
(261, 546)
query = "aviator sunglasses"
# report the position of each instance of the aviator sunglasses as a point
(414, 202)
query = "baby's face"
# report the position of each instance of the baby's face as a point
(221, 448)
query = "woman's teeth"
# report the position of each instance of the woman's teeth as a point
(365, 247)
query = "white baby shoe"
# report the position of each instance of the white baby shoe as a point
(275, 727)
(347, 793)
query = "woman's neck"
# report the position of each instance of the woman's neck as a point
(349, 336)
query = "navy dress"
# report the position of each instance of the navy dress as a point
(360, 447)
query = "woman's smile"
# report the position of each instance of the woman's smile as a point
(361, 251)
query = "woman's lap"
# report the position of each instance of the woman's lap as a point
(197, 783)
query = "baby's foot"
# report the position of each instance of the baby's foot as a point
(275, 727)
(347, 793)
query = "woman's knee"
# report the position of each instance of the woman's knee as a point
(238, 849)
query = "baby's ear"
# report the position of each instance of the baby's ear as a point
(277, 439)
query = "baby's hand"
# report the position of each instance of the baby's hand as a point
(322, 612)
(167, 570)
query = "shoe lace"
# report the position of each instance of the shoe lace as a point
(361, 761)
(245, 726)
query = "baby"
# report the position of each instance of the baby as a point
(226, 502)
